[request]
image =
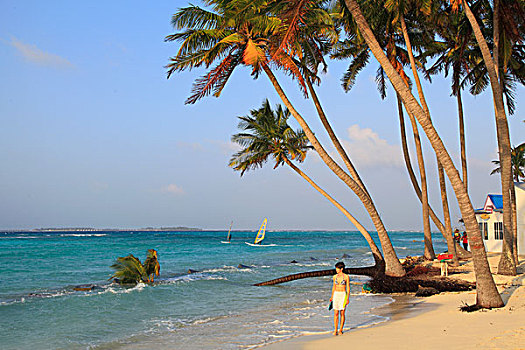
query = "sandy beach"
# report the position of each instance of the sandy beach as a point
(436, 322)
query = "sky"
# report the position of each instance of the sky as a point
(93, 134)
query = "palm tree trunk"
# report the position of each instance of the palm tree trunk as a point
(487, 293)
(373, 247)
(334, 138)
(366, 271)
(506, 264)
(446, 215)
(408, 163)
(429, 249)
(515, 224)
(462, 139)
(393, 266)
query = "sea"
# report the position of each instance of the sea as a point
(216, 307)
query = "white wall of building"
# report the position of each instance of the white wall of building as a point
(491, 244)
(520, 209)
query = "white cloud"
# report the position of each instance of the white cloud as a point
(33, 54)
(193, 146)
(367, 149)
(227, 148)
(173, 189)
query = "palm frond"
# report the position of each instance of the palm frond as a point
(194, 17)
(214, 80)
(356, 65)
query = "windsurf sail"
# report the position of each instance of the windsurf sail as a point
(229, 237)
(260, 234)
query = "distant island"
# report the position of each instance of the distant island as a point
(91, 229)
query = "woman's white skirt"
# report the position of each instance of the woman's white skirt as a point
(339, 300)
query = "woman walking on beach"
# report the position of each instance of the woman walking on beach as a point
(340, 294)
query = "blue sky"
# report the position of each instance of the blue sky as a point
(94, 135)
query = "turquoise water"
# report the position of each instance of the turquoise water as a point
(215, 308)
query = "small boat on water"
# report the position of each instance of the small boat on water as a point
(260, 235)
(229, 237)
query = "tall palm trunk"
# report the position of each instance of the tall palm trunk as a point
(429, 249)
(506, 264)
(446, 215)
(462, 139)
(333, 137)
(487, 293)
(515, 224)
(373, 247)
(393, 266)
(446, 231)
(408, 163)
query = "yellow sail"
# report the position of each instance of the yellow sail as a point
(262, 230)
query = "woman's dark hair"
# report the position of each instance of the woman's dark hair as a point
(340, 265)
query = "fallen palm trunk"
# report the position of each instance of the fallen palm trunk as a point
(364, 271)
(382, 283)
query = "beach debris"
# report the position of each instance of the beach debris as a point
(470, 308)
(419, 270)
(193, 271)
(241, 266)
(426, 291)
(411, 284)
(293, 262)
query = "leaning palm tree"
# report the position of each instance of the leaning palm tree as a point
(487, 293)
(249, 33)
(266, 135)
(129, 269)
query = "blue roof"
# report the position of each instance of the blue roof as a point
(497, 200)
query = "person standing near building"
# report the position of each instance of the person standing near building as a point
(456, 236)
(464, 239)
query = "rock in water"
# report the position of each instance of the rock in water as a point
(84, 287)
(241, 266)
(193, 271)
(313, 259)
(426, 291)
(293, 262)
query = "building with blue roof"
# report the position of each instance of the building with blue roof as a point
(490, 220)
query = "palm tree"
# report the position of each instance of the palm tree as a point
(385, 19)
(266, 134)
(455, 51)
(507, 264)
(245, 32)
(129, 269)
(487, 293)
(518, 163)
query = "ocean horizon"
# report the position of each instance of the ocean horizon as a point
(216, 307)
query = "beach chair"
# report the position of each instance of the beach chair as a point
(444, 259)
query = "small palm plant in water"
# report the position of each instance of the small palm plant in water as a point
(129, 269)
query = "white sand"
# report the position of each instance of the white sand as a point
(440, 324)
